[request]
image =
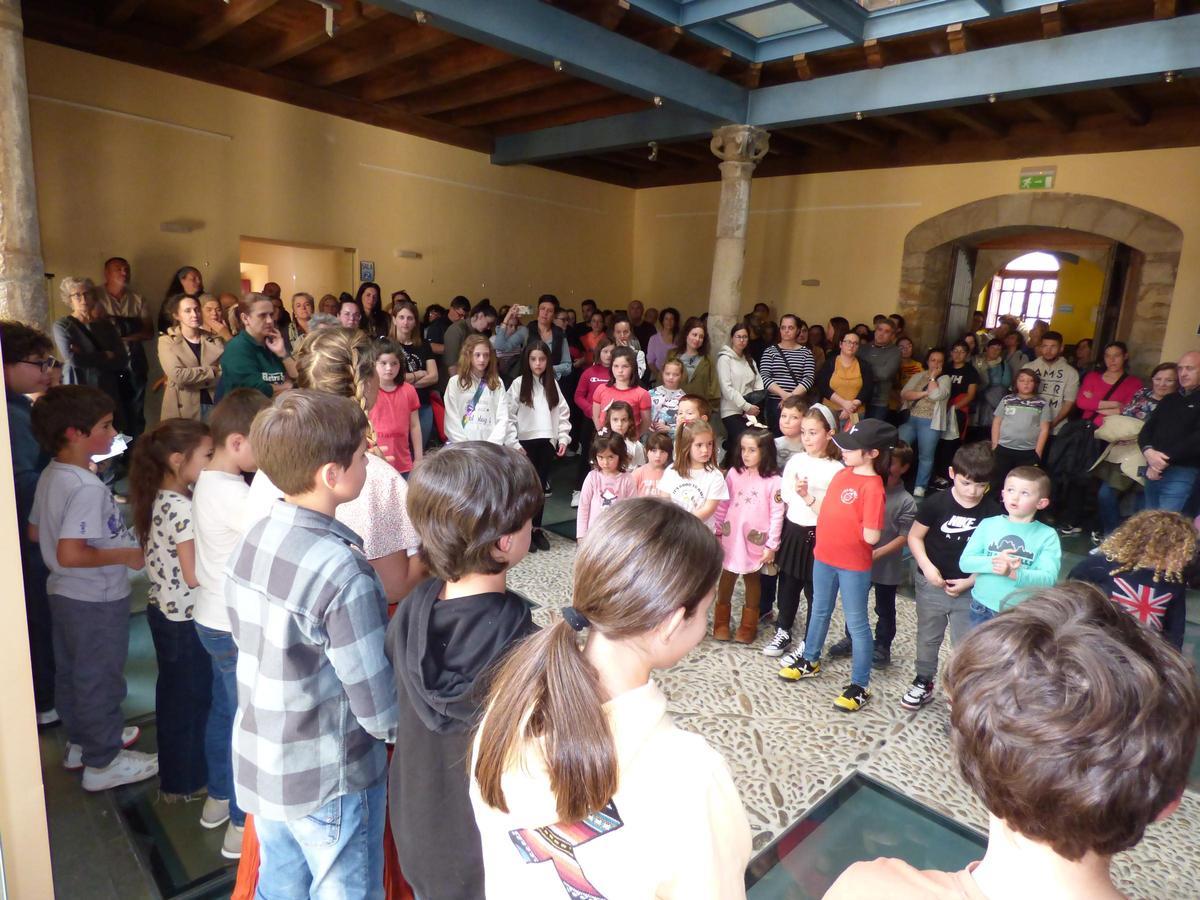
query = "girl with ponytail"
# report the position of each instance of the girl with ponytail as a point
(166, 463)
(580, 779)
(341, 361)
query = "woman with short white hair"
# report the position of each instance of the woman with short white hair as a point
(91, 347)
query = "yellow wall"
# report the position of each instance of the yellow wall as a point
(848, 229)
(171, 149)
(318, 271)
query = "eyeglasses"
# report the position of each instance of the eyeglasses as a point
(44, 364)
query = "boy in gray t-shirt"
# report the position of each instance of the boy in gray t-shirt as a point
(1020, 428)
(88, 549)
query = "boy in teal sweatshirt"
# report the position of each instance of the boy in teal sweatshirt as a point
(1012, 552)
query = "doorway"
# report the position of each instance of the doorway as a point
(311, 268)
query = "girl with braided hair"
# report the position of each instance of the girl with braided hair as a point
(1143, 567)
(340, 361)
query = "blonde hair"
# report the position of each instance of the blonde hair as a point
(1164, 542)
(465, 369)
(338, 361)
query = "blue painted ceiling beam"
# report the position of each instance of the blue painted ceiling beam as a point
(845, 22)
(1110, 56)
(842, 16)
(536, 31)
(1123, 55)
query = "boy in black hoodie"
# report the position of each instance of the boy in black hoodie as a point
(472, 504)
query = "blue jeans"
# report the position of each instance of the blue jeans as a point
(916, 432)
(981, 614)
(425, 417)
(854, 586)
(1171, 492)
(218, 733)
(334, 853)
(182, 697)
(878, 412)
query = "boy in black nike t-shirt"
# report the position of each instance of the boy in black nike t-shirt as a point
(944, 523)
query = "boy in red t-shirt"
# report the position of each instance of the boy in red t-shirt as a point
(849, 524)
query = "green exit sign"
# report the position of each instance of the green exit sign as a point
(1037, 179)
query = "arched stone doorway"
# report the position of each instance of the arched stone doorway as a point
(935, 250)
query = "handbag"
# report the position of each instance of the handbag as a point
(1076, 448)
(755, 398)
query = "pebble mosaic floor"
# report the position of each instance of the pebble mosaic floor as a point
(787, 746)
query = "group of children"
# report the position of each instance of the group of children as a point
(564, 771)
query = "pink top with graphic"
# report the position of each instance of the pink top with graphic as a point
(750, 521)
(599, 493)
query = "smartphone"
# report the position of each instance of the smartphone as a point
(523, 310)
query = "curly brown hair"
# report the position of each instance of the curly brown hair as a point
(1164, 542)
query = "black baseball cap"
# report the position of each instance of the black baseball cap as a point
(868, 434)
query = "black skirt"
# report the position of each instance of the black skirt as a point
(796, 545)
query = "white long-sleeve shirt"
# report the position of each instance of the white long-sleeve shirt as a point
(537, 422)
(487, 419)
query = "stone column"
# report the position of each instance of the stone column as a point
(22, 281)
(739, 147)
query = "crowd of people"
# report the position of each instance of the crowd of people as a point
(331, 501)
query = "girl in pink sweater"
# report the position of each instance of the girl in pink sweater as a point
(608, 481)
(748, 526)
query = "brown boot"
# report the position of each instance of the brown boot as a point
(748, 630)
(721, 614)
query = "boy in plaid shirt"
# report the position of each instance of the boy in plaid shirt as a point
(316, 696)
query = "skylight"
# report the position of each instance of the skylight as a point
(776, 20)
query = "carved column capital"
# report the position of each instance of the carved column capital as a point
(740, 143)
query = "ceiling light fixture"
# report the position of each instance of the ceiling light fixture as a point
(558, 66)
(653, 151)
(858, 116)
(658, 101)
(991, 98)
(1169, 77)
(421, 16)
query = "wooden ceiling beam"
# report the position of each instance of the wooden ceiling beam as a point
(224, 19)
(1166, 9)
(783, 145)
(875, 54)
(710, 59)
(752, 77)
(42, 24)
(515, 79)
(595, 169)
(812, 138)
(977, 121)
(119, 11)
(911, 124)
(352, 16)
(692, 152)
(1122, 100)
(959, 39)
(858, 131)
(803, 66)
(1049, 110)
(413, 40)
(663, 39)
(527, 104)
(599, 110)
(1054, 20)
(634, 158)
(421, 75)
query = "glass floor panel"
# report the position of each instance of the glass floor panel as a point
(184, 858)
(860, 820)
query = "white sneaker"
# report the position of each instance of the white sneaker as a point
(919, 492)
(231, 846)
(574, 499)
(73, 755)
(49, 717)
(778, 643)
(789, 661)
(129, 767)
(215, 813)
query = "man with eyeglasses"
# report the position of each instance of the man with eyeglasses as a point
(27, 369)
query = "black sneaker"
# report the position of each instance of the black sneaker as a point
(919, 693)
(881, 658)
(843, 648)
(853, 698)
(539, 541)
